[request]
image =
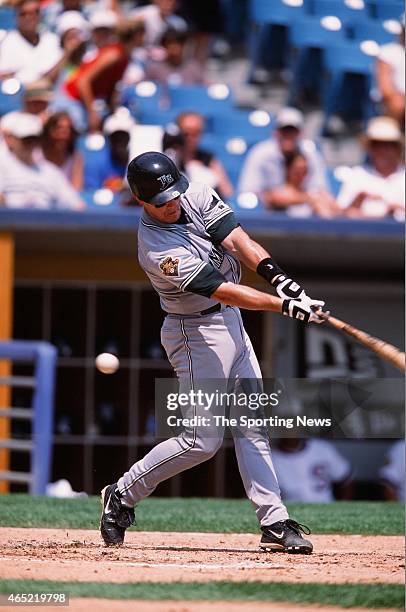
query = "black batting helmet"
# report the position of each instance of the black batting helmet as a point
(154, 178)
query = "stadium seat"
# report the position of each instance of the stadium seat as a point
(144, 97)
(251, 126)
(348, 11)
(277, 12)
(100, 198)
(267, 39)
(372, 29)
(11, 95)
(308, 39)
(389, 10)
(7, 18)
(206, 100)
(347, 86)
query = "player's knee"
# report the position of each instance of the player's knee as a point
(207, 447)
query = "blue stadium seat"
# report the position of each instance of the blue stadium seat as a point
(204, 99)
(372, 29)
(8, 19)
(308, 39)
(267, 38)
(143, 97)
(347, 86)
(158, 117)
(389, 10)
(11, 95)
(276, 12)
(345, 11)
(251, 126)
(100, 199)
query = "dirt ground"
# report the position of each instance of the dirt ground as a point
(79, 555)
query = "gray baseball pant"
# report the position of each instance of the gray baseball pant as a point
(213, 346)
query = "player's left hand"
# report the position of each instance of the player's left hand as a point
(304, 310)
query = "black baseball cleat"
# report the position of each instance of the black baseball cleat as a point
(115, 517)
(285, 536)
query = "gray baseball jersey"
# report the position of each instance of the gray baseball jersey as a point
(185, 260)
(186, 263)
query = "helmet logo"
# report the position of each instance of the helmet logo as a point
(165, 180)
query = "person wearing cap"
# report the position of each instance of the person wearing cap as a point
(37, 96)
(96, 79)
(107, 167)
(27, 53)
(390, 76)
(26, 179)
(265, 167)
(376, 189)
(103, 24)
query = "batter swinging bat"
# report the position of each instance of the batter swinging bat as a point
(383, 349)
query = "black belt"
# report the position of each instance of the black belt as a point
(214, 308)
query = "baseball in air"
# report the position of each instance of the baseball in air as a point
(107, 363)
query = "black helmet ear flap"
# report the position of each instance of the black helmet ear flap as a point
(154, 178)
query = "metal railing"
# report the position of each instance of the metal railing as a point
(43, 355)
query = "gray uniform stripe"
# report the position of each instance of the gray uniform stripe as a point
(192, 444)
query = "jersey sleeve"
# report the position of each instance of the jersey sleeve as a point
(185, 271)
(219, 219)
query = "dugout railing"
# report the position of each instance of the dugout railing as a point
(42, 356)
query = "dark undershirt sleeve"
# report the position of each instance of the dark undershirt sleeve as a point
(207, 281)
(222, 228)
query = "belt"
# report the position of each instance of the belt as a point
(215, 308)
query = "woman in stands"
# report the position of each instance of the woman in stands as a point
(295, 198)
(58, 147)
(96, 79)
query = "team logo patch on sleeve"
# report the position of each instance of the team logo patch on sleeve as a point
(170, 267)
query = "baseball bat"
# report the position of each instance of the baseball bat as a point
(385, 350)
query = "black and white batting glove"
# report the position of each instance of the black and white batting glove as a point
(304, 310)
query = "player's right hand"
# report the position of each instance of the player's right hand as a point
(304, 309)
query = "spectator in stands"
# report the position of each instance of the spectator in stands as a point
(37, 96)
(201, 165)
(72, 30)
(311, 470)
(27, 180)
(376, 189)
(393, 472)
(59, 147)
(264, 169)
(158, 17)
(294, 194)
(103, 24)
(107, 168)
(96, 79)
(390, 76)
(27, 53)
(175, 68)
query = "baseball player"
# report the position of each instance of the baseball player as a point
(190, 246)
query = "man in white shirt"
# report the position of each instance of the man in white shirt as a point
(265, 166)
(26, 179)
(376, 189)
(390, 76)
(307, 469)
(26, 53)
(393, 472)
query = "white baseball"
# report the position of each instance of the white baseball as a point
(107, 363)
